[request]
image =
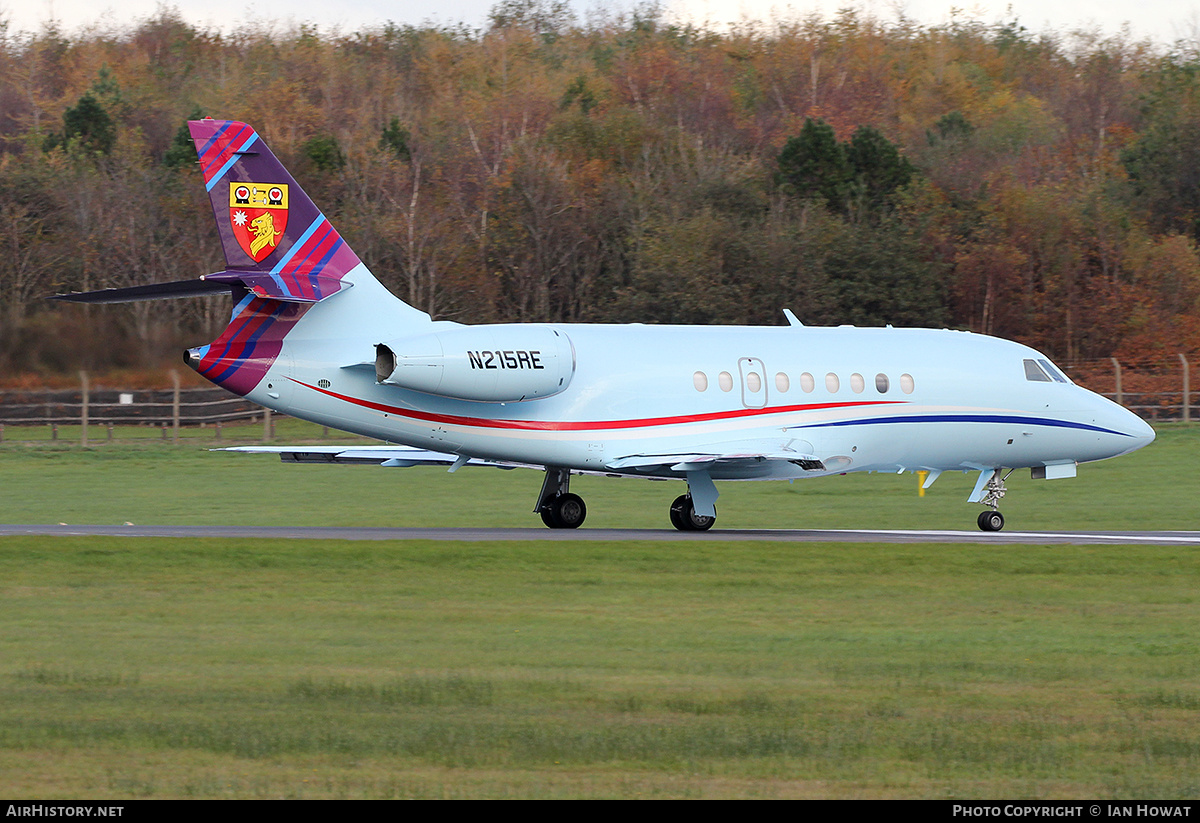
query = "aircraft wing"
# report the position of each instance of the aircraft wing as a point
(743, 455)
(389, 456)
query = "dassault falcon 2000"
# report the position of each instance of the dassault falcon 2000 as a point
(315, 335)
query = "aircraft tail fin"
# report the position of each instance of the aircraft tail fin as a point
(266, 222)
(283, 258)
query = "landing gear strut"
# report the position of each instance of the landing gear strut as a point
(558, 507)
(684, 517)
(990, 494)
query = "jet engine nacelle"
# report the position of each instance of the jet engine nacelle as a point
(501, 363)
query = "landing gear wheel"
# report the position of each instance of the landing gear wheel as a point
(684, 517)
(991, 521)
(675, 519)
(564, 512)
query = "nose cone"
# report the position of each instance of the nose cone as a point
(1134, 431)
(1139, 430)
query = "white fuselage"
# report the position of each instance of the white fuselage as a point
(858, 399)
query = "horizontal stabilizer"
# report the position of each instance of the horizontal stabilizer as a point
(261, 284)
(311, 289)
(154, 291)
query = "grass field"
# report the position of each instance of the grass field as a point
(156, 482)
(236, 668)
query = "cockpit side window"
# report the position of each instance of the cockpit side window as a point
(1053, 372)
(1034, 372)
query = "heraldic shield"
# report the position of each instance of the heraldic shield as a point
(258, 213)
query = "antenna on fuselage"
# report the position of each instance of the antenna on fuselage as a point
(792, 319)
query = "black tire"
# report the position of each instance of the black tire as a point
(991, 521)
(566, 511)
(677, 507)
(684, 517)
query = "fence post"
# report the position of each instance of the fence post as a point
(83, 413)
(175, 406)
(1117, 373)
(266, 425)
(1187, 390)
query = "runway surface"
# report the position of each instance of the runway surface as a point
(1151, 538)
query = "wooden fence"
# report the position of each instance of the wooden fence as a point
(165, 409)
(1155, 389)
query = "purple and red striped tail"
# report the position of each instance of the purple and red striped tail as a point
(282, 255)
(267, 224)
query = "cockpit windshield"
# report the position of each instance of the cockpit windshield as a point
(1043, 371)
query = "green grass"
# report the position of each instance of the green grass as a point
(416, 669)
(186, 484)
(244, 668)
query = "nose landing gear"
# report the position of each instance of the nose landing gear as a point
(989, 491)
(991, 521)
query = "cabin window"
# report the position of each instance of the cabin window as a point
(753, 382)
(807, 383)
(1034, 373)
(832, 384)
(725, 381)
(881, 383)
(782, 383)
(700, 381)
(857, 384)
(906, 383)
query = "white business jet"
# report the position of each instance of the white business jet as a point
(316, 336)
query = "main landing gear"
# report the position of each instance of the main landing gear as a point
(990, 491)
(684, 517)
(558, 507)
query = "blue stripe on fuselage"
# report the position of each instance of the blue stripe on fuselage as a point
(965, 418)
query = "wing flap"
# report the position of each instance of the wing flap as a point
(723, 455)
(388, 456)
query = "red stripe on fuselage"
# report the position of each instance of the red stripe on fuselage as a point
(591, 425)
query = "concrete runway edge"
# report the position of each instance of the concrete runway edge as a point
(1153, 538)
